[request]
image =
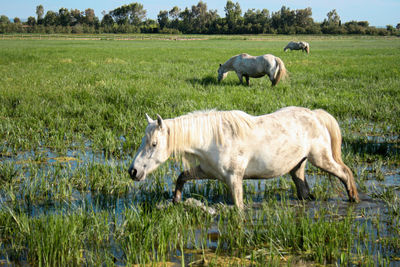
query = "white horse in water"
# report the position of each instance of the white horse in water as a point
(232, 146)
(304, 46)
(250, 66)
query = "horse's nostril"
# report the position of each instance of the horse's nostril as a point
(132, 172)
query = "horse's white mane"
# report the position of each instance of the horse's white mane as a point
(203, 127)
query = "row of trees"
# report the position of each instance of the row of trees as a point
(197, 19)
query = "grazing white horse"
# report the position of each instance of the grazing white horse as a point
(304, 46)
(232, 146)
(253, 66)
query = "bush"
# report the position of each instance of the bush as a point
(170, 31)
(77, 29)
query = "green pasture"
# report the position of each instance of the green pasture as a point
(72, 114)
(57, 93)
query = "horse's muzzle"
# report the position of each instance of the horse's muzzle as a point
(134, 174)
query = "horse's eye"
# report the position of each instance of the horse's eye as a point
(154, 144)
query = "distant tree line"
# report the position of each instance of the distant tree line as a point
(195, 20)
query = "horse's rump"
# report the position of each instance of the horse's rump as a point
(333, 128)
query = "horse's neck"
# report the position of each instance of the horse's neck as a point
(200, 131)
(182, 140)
(190, 153)
(228, 66)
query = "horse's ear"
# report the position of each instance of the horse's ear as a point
(149, 120)
(159, 121)
(220, 64)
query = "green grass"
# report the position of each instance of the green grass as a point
(85, 99)
(62, 93)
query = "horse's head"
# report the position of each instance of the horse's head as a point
(221, 73)
(153, 150)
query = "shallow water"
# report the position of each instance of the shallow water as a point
(46, 161)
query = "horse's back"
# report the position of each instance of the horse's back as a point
(263, 61)
(268, 57)
(286, 135)
(297, 120)
(254, 66)
(291, 44)
(247, 57)
(292, 109)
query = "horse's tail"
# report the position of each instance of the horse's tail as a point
(308, 49)
(333, 128)
(280, 72)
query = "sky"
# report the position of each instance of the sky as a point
(376, 12)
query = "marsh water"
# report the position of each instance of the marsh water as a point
(374, 181)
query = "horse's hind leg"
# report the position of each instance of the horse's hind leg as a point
(192, 174)
(247, 80)
(326, 162)
(272, 78)
(299, 179)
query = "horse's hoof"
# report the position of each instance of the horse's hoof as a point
(354, 200)
(176, 200)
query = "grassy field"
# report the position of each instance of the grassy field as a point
(72, 116)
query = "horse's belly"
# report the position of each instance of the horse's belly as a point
(276, 158)
(257, 75)
(266, 169)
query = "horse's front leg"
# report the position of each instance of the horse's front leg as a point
(192, 174)
(235, 184)
(240, 76)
